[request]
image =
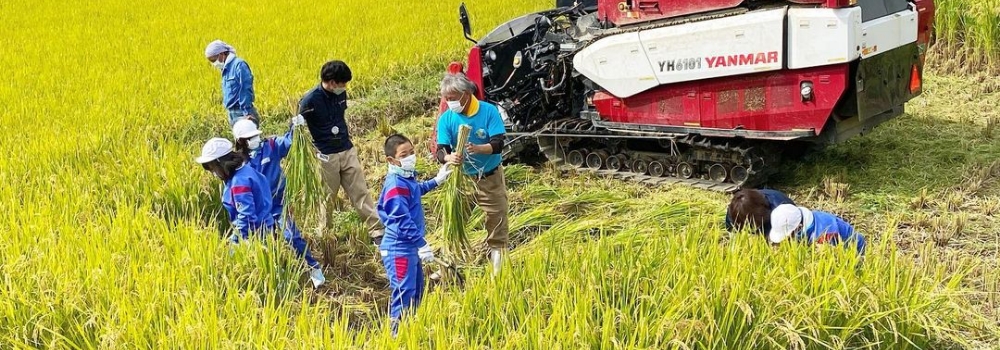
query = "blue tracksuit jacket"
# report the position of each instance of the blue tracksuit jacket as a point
(267, 160)
(831, 229)
(247, 199)
(402, 214)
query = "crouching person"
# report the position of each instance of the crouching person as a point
(403, 245)
(752, 208)
(246, 194)
(813, 227)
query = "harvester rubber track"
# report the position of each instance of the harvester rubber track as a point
(576, 144)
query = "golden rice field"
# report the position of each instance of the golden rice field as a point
(111, 231)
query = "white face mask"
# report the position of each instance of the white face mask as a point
(219, 64)
(254, 143)
(409, 163)
(338, 91)
(455, 106)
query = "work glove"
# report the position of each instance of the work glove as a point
(298, 120)
(425, 253)
(443, 174)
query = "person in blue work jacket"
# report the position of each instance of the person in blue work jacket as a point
(813, 227)
(403, 245)
(752, 208)
(246, 195)
(237, 82)
(265, 156)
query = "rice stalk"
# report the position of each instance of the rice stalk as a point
(455, 208)
(305, 194)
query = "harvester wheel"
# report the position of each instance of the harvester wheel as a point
(685, 170)
(656, 169)
(596, 160)
(639, 166)
(575, 158)
(738, 174)
(717, 172)
(614, 163)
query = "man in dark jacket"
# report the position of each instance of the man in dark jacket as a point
(323, 109)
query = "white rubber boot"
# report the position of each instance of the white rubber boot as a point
(495, 257)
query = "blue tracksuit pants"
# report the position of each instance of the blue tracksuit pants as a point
(294, 238)
(406, 281)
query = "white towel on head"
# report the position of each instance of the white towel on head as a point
(217, 47)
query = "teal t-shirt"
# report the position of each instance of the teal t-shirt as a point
(485, 124)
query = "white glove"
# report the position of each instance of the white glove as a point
(298, 120)
(425, 253)
(443, 174)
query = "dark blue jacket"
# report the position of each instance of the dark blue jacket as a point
(322, 111)
(774, 199)
(402, 214)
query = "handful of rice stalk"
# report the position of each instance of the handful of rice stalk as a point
(455, 207)
(304, 190)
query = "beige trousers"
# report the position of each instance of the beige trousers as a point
(344, 170)
(491, 197)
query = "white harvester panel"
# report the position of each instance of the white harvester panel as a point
(889, 32)
(736, 45)
(618, 64)
(820, 36)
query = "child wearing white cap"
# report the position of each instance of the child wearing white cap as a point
(812, 226)
(246, 195)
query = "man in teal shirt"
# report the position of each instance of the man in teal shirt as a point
(482, 156)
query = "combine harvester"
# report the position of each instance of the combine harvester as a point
(708, 93)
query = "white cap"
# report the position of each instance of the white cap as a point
(213, 149)
(785, 218)
(245, 128)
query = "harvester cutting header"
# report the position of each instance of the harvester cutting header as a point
(709, 93)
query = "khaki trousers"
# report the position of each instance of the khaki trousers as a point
(491, 197)
(344, 170)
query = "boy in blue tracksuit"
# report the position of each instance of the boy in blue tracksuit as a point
(246, 195)
(403, 245)
(814, 227)
(265, 156)
(753, 207)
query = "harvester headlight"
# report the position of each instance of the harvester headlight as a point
(806, 90)
(490, 55)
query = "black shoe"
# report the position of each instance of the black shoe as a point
(377, 241)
